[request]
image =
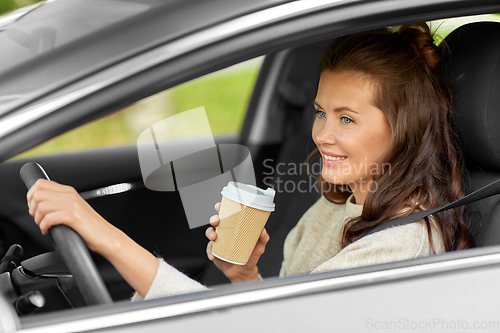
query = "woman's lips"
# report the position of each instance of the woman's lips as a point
(331, 159)
(328, 162)
(324, 152)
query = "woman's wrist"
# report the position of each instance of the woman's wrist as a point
(246, 275)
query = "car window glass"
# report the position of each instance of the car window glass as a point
(223, 94)
(444, 27)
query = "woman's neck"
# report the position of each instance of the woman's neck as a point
(360, 190)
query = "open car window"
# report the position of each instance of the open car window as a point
(224, 95)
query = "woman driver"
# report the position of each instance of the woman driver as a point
(383, 132)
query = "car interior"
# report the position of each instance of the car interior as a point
(471, 59)
(284, 91)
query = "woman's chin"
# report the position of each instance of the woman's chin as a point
(335, 178)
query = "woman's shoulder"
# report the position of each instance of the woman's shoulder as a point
(412, 239)
(394, 244)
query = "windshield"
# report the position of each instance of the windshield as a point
(37, 32)
(28, 37)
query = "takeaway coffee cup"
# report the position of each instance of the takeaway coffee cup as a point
(243, 214)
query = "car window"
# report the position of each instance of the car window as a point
(444, 27)
(224, 95)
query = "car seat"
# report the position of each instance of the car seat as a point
(471, 62)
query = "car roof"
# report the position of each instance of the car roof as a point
(62, 39)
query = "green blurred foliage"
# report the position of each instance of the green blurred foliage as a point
(10, 5)
(224, 94)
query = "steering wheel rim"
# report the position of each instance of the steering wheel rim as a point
(72, 248)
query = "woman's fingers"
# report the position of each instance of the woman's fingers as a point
(42, 196)
(51, 213)
(209, 251)
(209, 231)
(261, 244)
(52, 219)
(44, 190)
(260, 247)
(36, 197)
(264, 236)
(211, 234)
(214, 220)
(46, 201)
(43, 208)
(44, 184)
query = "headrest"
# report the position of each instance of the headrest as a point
(471, 59)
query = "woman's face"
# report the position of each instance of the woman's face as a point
(351, 133)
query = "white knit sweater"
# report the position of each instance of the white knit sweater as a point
(313, 246)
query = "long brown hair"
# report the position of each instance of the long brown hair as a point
(421, 169)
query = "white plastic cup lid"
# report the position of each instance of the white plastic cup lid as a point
(250, 195)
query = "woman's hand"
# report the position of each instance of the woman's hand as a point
(236, 273)
(51, 204)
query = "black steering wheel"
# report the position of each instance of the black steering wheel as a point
(72, 249)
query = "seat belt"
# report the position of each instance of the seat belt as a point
(484, 192)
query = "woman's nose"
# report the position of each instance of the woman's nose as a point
(325, 135)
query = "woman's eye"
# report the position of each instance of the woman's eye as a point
(320, 114)
(345, 120)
